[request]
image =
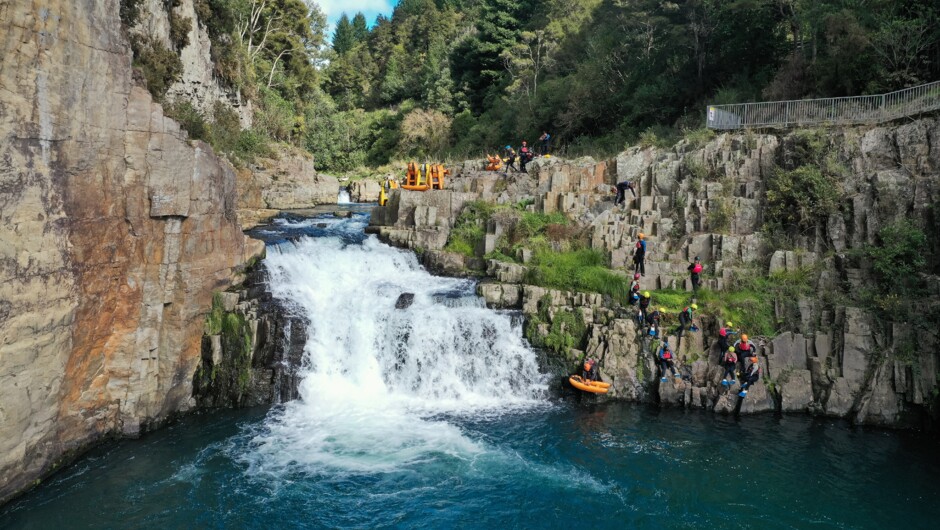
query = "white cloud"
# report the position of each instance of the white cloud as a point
(335, 8)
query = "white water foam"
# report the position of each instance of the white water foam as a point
(379, 380)
(343, 197)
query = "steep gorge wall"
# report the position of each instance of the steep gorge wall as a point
(114, 232)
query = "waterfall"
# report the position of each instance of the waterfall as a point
(343, 197)
(379, 382)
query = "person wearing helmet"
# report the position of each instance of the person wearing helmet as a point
(723, 336)
(510, 158)
(695, 271)
(685, 319)
(634, 295)
(666, 361)
(653, 320)
(525, 155)
(730, 361)
(745, 350)
(622, 188)
(639, 254)
(590, 371)
(751, 376)
(644, 307)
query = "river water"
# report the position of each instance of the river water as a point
(437, 416)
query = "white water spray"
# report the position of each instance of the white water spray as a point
(378, 379)
(343, 197)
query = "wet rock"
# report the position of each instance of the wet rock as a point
(404, 300)
(796, 392)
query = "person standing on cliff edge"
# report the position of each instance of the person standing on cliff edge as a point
(546, 140)
(695, 271)
(639, 254)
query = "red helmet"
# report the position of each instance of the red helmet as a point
(636, 276)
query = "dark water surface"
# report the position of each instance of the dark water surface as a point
(605, 466)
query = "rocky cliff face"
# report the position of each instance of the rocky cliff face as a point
(288, 181)
(835, 358)
(114, 232)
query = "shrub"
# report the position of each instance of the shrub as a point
(898, 255)
(801, 198)
(720, 215)
(160, 66)
(189, 118)
(179, 25)
(698, 137)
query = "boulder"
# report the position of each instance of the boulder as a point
(364, 190)
(796, 391)
(404, 300)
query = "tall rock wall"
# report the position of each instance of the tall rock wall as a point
(835, 355)
(114, 232)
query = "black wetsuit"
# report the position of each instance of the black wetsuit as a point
(622, 188)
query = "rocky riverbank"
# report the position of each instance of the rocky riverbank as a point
(831, 353)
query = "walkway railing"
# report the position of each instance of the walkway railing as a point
(826, 111)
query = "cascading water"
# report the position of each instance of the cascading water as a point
(380, 382)
(343, 197)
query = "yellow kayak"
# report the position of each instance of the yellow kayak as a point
(596, 387)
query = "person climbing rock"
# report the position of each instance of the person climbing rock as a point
(639, 254)
(644, 307)
(622, 188)
(546, 140)
(590, 371)
(633, 295)
(695, 271)
(653, 321)
(730, 361)
(745, 349)
(510, 158)
(751, 376)
(525, 155)
(666, 361)
(723, 335)
(685, 319)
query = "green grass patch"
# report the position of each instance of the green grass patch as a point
(578, 270)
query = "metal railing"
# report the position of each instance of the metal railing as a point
(826, 111)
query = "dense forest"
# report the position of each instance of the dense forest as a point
(457, 78)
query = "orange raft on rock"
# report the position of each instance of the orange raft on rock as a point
(595, 387)
(425, 177)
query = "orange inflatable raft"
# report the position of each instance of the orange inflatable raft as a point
(595, 387)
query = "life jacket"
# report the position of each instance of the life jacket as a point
(730, 357)
(634, 286)
(723, 332)
(744, 346)
(641, 247)
(666, 355)
(697, 269)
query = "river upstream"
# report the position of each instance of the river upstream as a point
(437, 416)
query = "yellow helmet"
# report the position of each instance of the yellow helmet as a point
(730, 348)
(662, 309)
(646, 294)
(729, 325)
(694, 306)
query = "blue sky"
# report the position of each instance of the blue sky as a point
(369, 8)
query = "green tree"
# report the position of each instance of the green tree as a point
(360, 29)
(344, 37)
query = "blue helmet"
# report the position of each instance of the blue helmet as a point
(508, 147)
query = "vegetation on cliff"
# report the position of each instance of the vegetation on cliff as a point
(457, 78)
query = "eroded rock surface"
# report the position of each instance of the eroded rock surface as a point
(115, 230)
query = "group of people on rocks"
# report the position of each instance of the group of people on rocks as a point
(526, 153)
(739, 358)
